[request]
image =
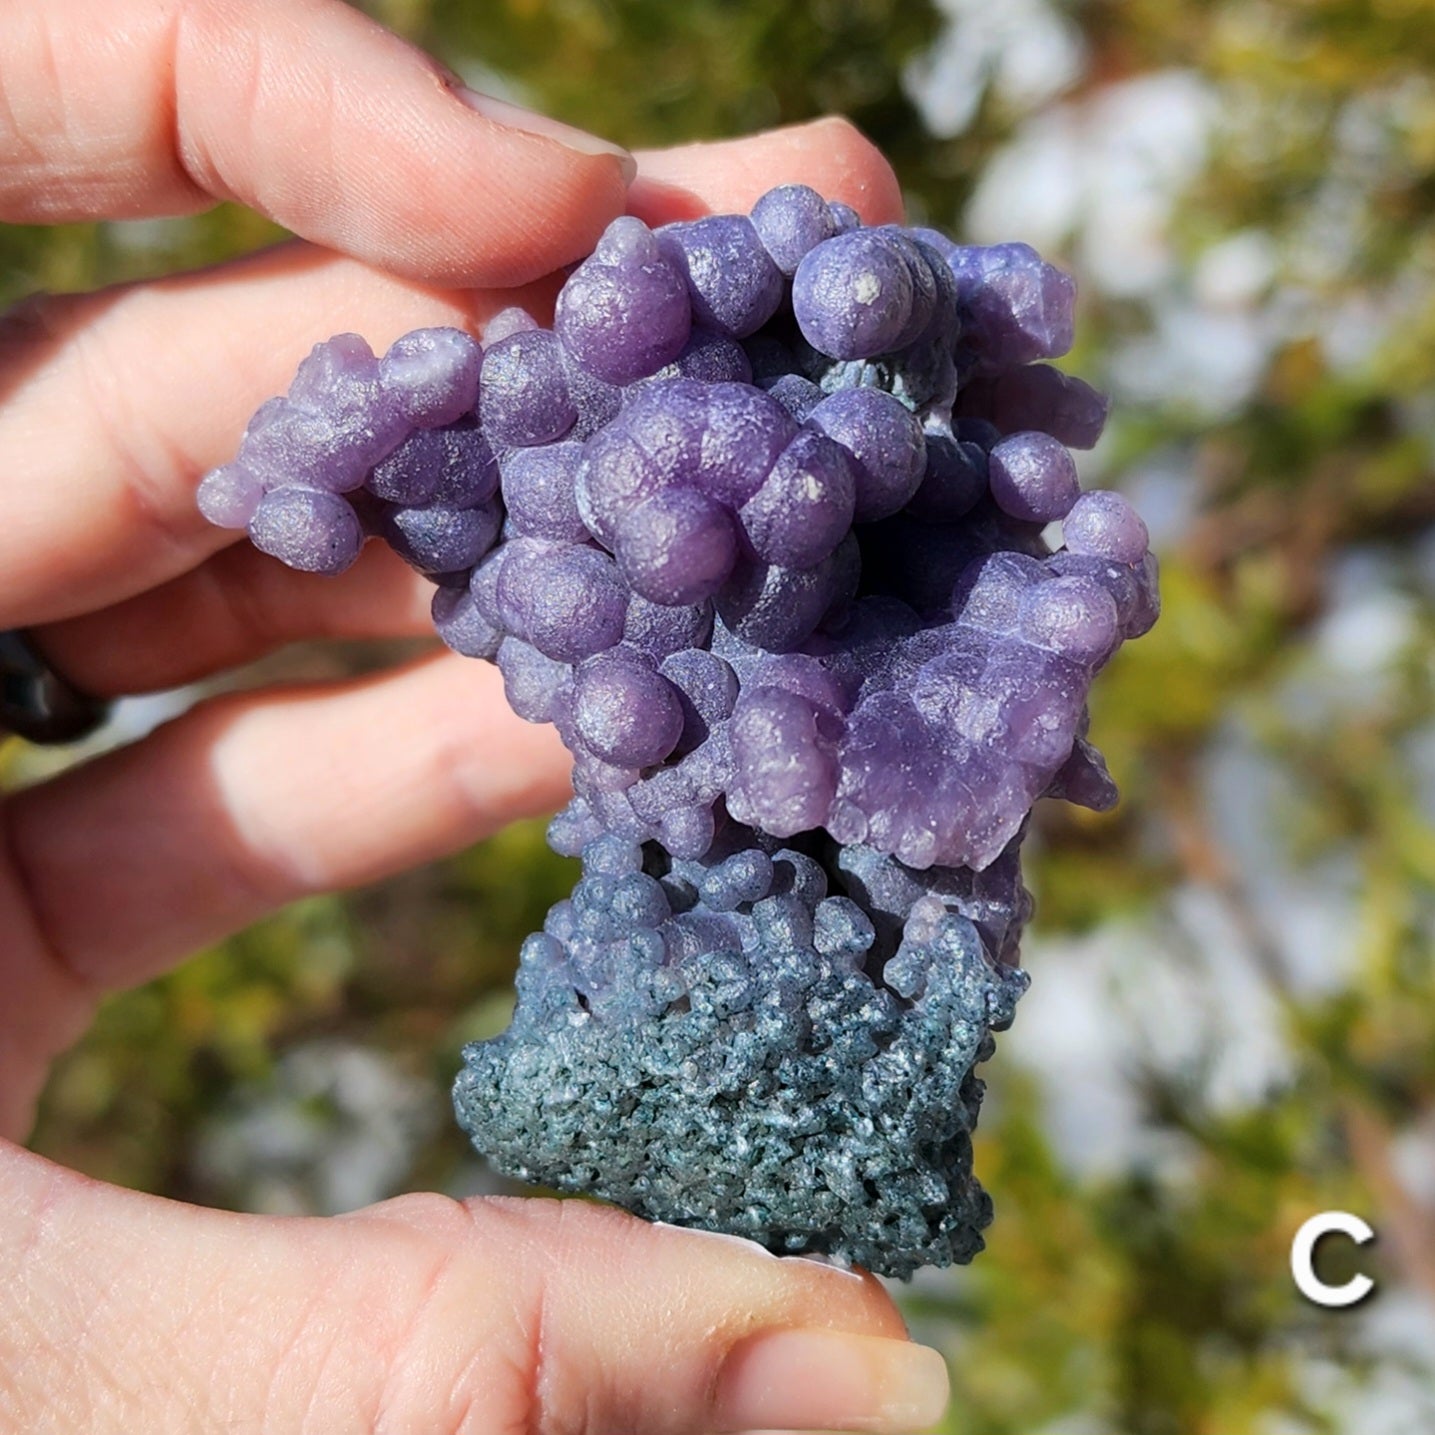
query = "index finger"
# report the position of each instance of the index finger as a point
(305, 110)
(115, 403)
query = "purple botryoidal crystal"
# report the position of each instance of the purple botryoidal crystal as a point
(762, 525)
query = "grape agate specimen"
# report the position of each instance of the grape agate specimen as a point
(762, 524)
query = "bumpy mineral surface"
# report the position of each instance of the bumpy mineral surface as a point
(765, 523)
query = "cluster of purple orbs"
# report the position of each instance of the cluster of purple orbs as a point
(762, 524)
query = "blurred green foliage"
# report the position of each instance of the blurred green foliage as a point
(1147, 1296)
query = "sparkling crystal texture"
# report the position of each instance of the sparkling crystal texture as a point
(762, 525)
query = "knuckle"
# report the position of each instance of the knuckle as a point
(428, 1212)
(150, 464)
(473, 1324)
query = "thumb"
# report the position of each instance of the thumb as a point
(305, 110)
(127, 1312)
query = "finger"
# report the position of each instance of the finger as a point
(730, 176)
(252, 800)
(234, 608)
(303, 109)
(426, 1314)
(113, 404)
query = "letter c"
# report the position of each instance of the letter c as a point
(1310, 1286)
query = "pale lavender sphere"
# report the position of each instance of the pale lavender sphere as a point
(791, 220)
(307, 528)
(676, 547)
(786, 771)
(615, 474)
(741, 433)
(711, 358)
(804, 507)
(624, 312)
(1033, 477)
(287, 444)
(263, 455)
(1074, 617)
(625, 711)
(411, 472)
(468, 473)
(538, 491)
(462, 625)
(264, 415)
(532, 683)
(509, 321)
(432, 375)
(1105, 525)
(655, 440)
(662, 629)
(338, 416)
(884, 438)
(483, 584)
(341, 375)
(523, 393)
(567, 600)
(734, 286)
(228, 495)
(1132, 589)
(688, 832)
(853, 295)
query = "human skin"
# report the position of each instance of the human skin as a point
(125, 1312)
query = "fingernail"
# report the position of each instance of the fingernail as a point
(827, 1380)
(829, 1263)
(740, 1242)
(516, 117)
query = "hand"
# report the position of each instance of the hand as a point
(124, 1312)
